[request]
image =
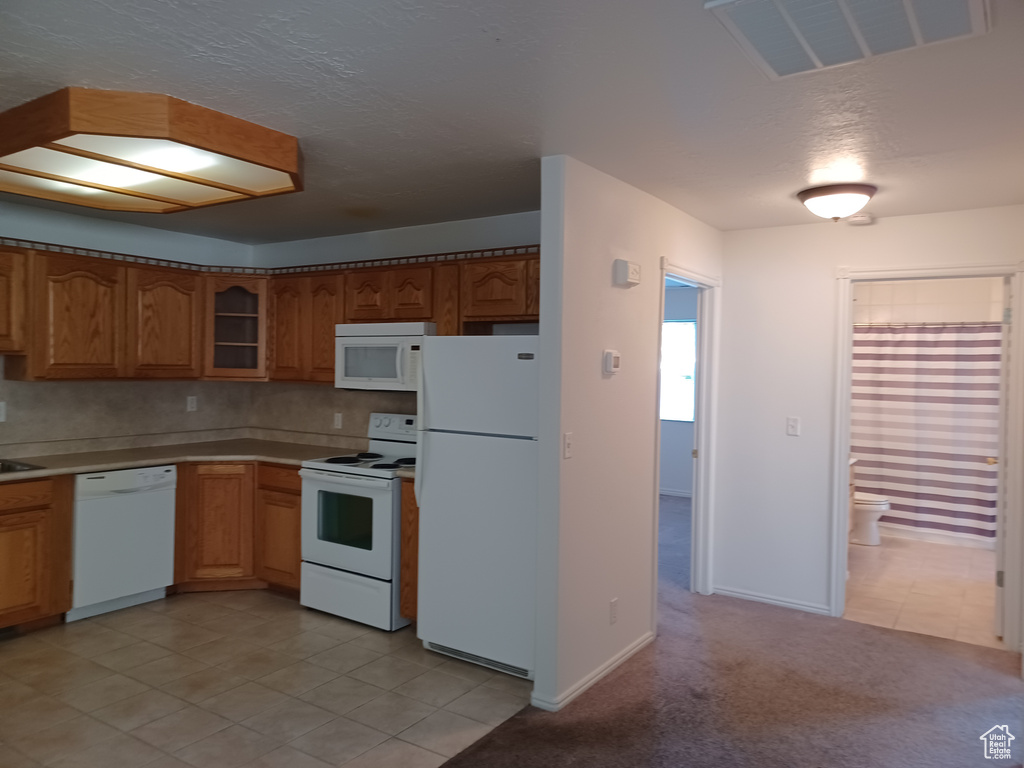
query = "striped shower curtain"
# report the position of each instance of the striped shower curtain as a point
(925, 422)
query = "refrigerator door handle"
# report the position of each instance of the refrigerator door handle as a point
(417, 481)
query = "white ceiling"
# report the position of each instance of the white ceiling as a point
(417, 111)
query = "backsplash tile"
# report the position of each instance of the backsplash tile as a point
(48, 417)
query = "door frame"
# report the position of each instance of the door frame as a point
(704, 428)
(1011, 483)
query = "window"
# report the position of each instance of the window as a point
(678, 369)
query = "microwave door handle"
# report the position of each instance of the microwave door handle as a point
(401, 349)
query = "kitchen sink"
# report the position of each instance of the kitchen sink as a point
(7, 465)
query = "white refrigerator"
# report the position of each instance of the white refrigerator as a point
(476, 486)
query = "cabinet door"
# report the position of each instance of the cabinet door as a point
(325, 311)
(408, 573)
(446, 299)
(236, 328)
(367, 295)
(35, 550)
(412, 293)
(218, 533)
(78, 310)
(12, 299)
(493, 289)
(278, 547)
(288, 321)
(533, 287)
(164, 323)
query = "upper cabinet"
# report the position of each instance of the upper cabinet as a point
(12, 298)
(236, 334)
(499, 289)
(303, 313)
(164, 323)
(78, 317)
(397, 293)
(77, 310)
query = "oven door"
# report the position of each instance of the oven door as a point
(376, 362)
(348, 522)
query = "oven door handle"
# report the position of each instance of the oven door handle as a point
(335, 478)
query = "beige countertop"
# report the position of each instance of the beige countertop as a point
(125, 458)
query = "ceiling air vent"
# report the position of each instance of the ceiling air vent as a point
(784, 37)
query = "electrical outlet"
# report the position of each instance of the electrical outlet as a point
(793, 426)
(567, 445)
(3, 411)
(337, 420)
(613, 610)
(191, 403)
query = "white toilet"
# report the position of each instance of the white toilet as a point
(867, 508)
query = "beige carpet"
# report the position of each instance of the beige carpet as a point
(732, 683)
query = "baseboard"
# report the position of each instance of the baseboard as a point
(553, 705)
(936, 537)
(680, 494)
(772, 600)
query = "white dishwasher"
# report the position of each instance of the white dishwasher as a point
(124, 539)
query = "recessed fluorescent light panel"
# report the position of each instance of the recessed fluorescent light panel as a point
(785, 37)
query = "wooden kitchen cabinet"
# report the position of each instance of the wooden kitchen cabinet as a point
(164, 323)
(214, 526)
(236, 328)
(35, 549)
(12, 298)
(396, 293)
(76, 316)
(408, 567)
(278, 554)
(496, 290)
(367, 295)
(303, 313)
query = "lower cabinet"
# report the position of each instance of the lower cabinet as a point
(238, 526)
(215, 536)
(278, 525)
(408, 568)
(35, 549)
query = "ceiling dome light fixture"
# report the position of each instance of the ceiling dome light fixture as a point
(142, 152)
(836, 201)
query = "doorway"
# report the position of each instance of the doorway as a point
(687, 461)
(927, 421)
(677, 406)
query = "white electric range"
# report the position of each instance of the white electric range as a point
(350, 526)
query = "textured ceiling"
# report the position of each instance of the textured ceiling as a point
(410, 112)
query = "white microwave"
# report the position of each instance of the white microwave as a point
(379, 355)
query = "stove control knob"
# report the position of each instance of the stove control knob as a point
(387, 422)
(376, 422)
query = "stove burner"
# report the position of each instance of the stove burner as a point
(406, 462)
(343, 460)
(385, 465)
(368, 456)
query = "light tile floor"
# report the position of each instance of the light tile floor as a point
(232, 679)
(934, 589)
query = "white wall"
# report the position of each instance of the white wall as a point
(778, 347)
(675, 461)
(23, 222)
(597, 538)
(445, 237)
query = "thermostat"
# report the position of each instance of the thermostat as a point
(612, 361)
(625, 272)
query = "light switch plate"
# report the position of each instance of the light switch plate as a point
(3, 411)
(191, 403)
(793, 426)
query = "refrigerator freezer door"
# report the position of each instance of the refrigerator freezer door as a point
(478, 542)
(480, 384)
